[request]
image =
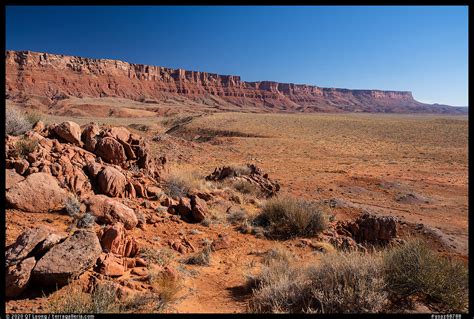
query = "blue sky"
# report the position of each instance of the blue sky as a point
(418, 49)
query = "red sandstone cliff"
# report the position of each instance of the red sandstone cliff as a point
(51, 77)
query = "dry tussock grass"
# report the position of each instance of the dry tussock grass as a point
(178, 183)
(414, 269)
(286, 217)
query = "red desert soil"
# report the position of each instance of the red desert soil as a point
(412, 167)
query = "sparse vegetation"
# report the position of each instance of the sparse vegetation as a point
(15, 122)
(33, 117)
(139, 127)
(247, 188)
(324, 247)
(25, 146)
(161, 257)
(72, 205)
(341, 283)
(180, 183)
(202, 257)
(167, 286)
(414, 269)
(86, 221)
(72, 299)
(277, 254)
(236, 217)
(348, 283)
(287, 217)
(279, 287)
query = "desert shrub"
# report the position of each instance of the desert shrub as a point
(288, 217)
(25, 146)
(166, 286)
(414, 269)
(279, 287)
(236, 217)
(33, 117)
(206, 222)
(241, 169)
(324, 247)
(104, 299)
(15, 122)
(179, 184)
(72, 299)
(245, 187)
(86, 221)
(348, 283)
(342, 283)
(202, 257)
(161, 257)
(72, 205)
(277, 254)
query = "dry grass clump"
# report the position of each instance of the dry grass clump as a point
(202, 257)
(241, 170)
(166, 286)
(286, 217)
(279, 287)
(33, 117)
(162, 257)
(347, 283)
(237, 216)
(324, 247)
(72, 299)
(277, 254)
(25, 146)
(414, 269)
(342, 283)
(15, 122)
(180, 183)
(247, 188)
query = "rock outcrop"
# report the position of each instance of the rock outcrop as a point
(371, 228)
(109, 211)
(53, 77)
(18, 276)
(250, 174)
(68, 260)
(38, 193)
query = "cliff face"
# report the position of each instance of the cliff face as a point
(54, 77)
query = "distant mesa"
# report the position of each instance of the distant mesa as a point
(52, 77)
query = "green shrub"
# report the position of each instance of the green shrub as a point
(287, 217)
(414, 269)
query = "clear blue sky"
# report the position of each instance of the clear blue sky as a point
(418, 49)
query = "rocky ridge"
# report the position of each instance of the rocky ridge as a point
(52, 77)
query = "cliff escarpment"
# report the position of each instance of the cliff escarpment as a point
(52, 77)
